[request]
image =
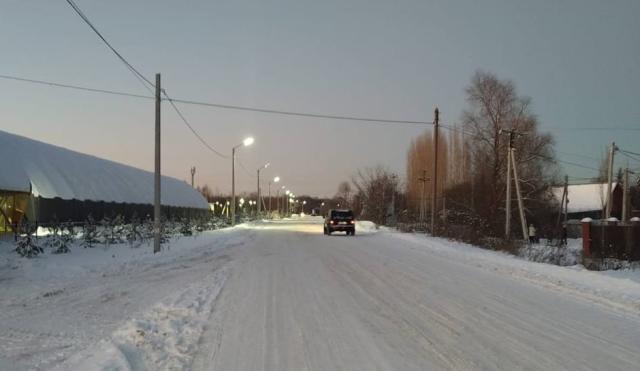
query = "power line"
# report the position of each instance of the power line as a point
(270, 111)
(598, 129)
(217, 105)
(454, 128)
(184, 120)
(629, 155)
(629, 152)
(135, 72)
(302, 114)
(143, 79)
(578, 155)
(244, 168)
(77, 87)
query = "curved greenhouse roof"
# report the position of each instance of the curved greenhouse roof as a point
(49, 171)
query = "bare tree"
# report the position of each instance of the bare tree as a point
(206, 192)
(375, 187)
(419, 163)
(493, 105)
(344, 193)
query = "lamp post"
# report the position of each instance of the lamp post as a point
(275, 180)
(258, 171)
(285, 202)
(302, 207)
(247, 142)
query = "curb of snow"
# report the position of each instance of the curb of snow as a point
(163, 338)
(621, 293)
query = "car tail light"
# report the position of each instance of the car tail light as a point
(351, 221)
(330, 221)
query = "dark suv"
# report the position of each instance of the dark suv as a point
(340, 220)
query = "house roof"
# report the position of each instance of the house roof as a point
(584, 197)
(49, 171)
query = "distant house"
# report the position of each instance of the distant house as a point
(40, 182)
(589, 200)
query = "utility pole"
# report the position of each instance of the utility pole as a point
(193, 174)
(258, 209)
(523, 219)
(507, 208)
(269, 200)
(156, 175)
(612, 150)
(563, 202)
(233, 186)
(393, 201)
(566, 198)
(625, 195)
(507, 222)
(423, 197)
(434, 183)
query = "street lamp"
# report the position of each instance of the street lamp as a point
(302, 207)
(275, 180)
(258, 171)
(246, 142)
(285, 204)
(278, 197)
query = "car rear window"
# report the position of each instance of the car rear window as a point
(342, 214)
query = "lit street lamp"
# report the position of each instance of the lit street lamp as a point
(258, 171)
(285, 204)
(247, 142)
(275, 180)
(278, 197)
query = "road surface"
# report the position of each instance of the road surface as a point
(282, 296)
(298, 300)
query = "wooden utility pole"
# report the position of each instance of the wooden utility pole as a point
(625, 196)
(563, 201)
(566, 198)
(523, 219)
(423, 196)
(156, 188)
(233, 186)
(259, 205)
(434, 183)
(193, 174)
(612, 150)
(507, 209)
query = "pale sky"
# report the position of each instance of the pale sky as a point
(578, 60)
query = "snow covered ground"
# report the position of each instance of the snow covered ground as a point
(102, 300)
(282, 296)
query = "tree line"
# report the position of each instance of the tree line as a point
(472, 165)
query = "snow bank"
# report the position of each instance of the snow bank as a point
(571, 254)
(164, 338)
(54, 306)
(619, 290)
(365, 226)
(50, 171)
(81, 261)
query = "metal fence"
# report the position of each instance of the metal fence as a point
(613, 241)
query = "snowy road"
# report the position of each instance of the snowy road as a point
(299, 300)
(282, 296)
